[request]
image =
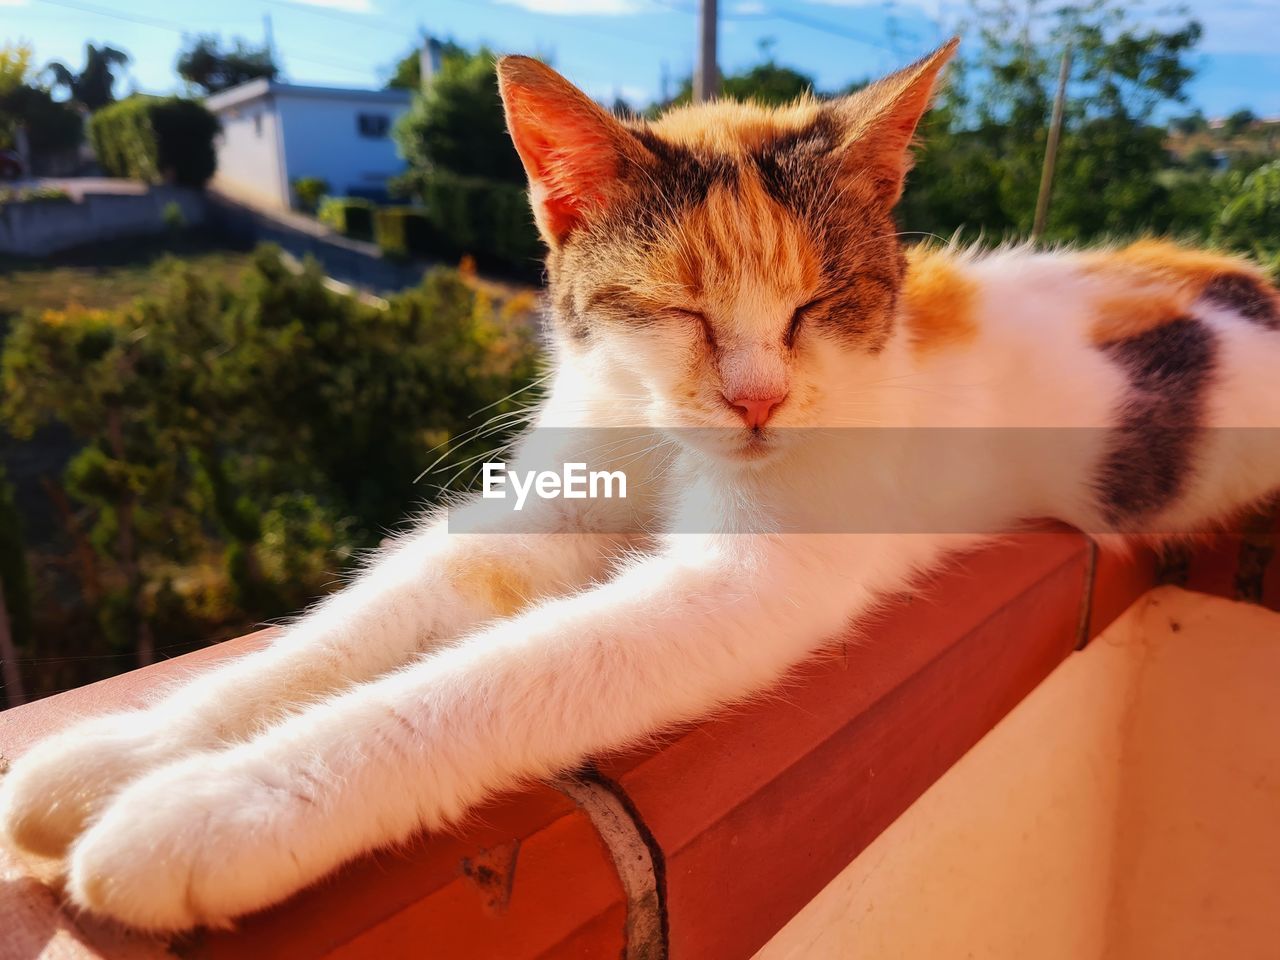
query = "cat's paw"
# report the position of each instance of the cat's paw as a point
(197, 842)
(52, 791)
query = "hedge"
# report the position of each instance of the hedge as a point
(488, 219)
(407, 232)
(156, 139)
(33, 195)
(350, 216)
(309, 191)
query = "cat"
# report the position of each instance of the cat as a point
(727, 288)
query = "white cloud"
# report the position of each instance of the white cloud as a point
(748, 8)
(350, 6)
(570, 7)
(13, 3)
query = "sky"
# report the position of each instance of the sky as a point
(609, 47)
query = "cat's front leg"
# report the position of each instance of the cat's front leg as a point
(209, 838)
(430, 587)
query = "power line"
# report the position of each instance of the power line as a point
(185, 30)
(127, 17)
(826, 26)
(355, 19)
(578, 25)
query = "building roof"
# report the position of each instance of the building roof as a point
(262, 87)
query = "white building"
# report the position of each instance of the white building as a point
(275, 133)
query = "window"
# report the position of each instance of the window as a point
(375, 126)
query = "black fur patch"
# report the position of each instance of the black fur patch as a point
(800, 167)
(1247, 296)
(681, 177)
(1152, 452)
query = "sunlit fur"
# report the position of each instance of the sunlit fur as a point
(725, 251)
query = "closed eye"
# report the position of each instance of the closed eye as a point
(701, 320)
(797, 318)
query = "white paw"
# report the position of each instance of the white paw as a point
(52, 791)
(200, 841)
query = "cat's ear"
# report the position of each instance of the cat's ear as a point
(879, 122)
(575, 153)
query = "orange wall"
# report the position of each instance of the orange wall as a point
(1126, 809)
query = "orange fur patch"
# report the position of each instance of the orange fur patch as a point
(729, 127)
(1182, 265)
(737, 239)
(938, 302)
(1156, 282)
(1134, 312)
(494, 584)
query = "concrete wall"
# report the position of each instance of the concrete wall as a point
(1125, 810)
(322, 139)
(40, 228)
(251, 155)
(353, 262)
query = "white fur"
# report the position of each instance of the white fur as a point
(407, 698)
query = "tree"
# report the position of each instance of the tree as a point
(1250, 217)
(1238, 122)
(1192, 123)
(50, 126)
(92, 87)
(15, 65)
(407, 72)
(767, 82)
(204, 63)
(208, 474)
(980, 166)
(457, 123)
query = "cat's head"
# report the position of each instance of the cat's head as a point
(732, 263)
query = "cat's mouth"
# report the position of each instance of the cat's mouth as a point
(733, 445)
(747, 447)
(758, 444)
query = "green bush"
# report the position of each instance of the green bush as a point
(52, 126)
(350, 216)
(156, 139)
(1250, 217)
(34, 195)
(209, 485)
(487, 219)
(174, 219)
(309, 191)
(406, 232)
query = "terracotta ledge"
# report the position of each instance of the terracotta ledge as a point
(702, 846)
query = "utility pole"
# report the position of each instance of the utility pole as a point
(269, 36)
(1051, 148)
(429, 60)
(706, 79)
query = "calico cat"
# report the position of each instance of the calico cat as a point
(727, 286)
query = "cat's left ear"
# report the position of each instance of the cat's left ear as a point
(879, 122)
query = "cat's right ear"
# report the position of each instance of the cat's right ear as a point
(574, 151)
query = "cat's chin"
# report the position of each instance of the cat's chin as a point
(750, 451)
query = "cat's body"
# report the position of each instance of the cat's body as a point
(765, 373)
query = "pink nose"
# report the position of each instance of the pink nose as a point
(755, 411)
